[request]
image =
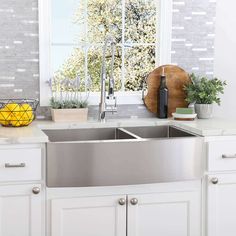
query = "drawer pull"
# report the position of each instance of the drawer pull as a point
(228, 156)
(21, 165)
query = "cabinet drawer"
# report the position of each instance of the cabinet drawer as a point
(20, 164)
(222, 155)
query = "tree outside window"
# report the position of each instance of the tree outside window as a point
(133, 25)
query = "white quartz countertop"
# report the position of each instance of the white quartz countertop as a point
(34, 134)
(211, 127)
(19, 135)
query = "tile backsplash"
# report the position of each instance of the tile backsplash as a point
(19, 53)
(192, 47)
(193, 34)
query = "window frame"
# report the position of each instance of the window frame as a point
(164, 33)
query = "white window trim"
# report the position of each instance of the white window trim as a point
(164, 32)
(44, 9)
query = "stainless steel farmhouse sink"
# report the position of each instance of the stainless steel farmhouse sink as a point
(158, 132)
(122, 156)
(71, 135)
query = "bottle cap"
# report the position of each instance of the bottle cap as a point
(163, 71)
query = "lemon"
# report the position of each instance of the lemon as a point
(15, 123)
(16, 118)
(5, 116)
(12, 107)
(4, 122)
(26, 107)
(27, 114)
(16, 114)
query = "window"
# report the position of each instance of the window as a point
(78, 29)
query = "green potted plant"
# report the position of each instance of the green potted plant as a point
(204, 93)
(69, 102)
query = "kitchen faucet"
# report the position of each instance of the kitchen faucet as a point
(110, 98)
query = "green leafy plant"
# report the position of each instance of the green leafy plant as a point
(203, 90)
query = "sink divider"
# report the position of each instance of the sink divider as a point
(129, 133)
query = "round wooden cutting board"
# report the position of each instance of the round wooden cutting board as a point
(176, 78)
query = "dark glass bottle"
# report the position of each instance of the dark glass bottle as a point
(163, 97)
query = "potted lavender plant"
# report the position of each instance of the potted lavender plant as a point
(69, 102)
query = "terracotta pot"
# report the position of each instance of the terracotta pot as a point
(70, 115)
(204, 111)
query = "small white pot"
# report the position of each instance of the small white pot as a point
(204, 111)
(70, 115)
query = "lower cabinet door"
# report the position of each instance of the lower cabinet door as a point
(221, 205)
(21, 210)
(165, 214)
(90, 216)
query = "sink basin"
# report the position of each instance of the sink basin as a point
(158, 132)
(71, 135)
(92, 134)
(122, 156)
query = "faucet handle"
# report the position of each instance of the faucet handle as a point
(111, 97)
(111, 104)
(111, 109)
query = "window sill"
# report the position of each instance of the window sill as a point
(124, 98)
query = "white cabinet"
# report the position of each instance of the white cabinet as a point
(21, 210)
(221, 205)
(22, 197)
(90, 216)
(165, 214)
(20, 164)
(221, 155)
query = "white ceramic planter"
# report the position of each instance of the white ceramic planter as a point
(204, 111)
(70, 115)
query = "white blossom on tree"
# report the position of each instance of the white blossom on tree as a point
(134, 29)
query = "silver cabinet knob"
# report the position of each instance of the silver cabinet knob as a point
(214, 180)
(122, 201)
(134, 201)
(36, 190)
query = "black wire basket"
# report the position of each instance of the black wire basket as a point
(17, 112)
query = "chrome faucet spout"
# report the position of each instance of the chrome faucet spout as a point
(104, 106)
(111, 79)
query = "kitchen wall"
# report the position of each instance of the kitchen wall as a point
(193, 34)
(19, 63)
(225, 51)
(192, 47)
